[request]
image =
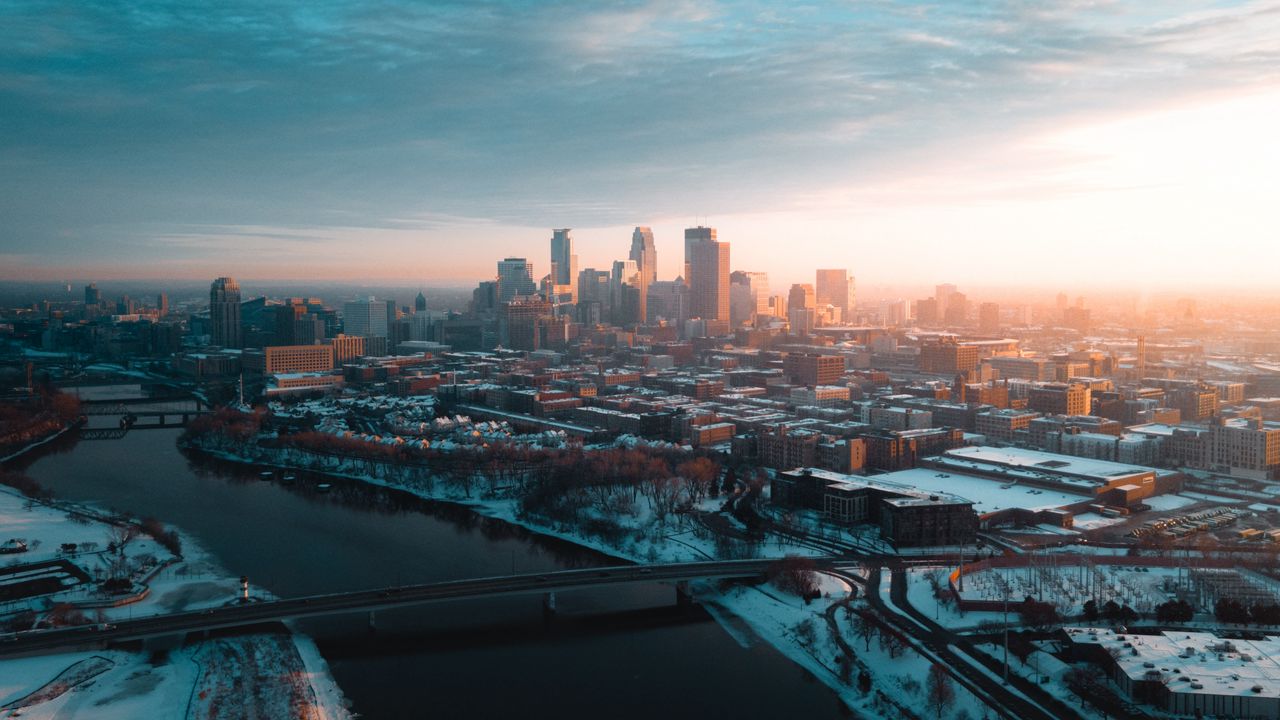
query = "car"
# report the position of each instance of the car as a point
(103, 627)
(541, 578)
(645, 571)
(603, 574)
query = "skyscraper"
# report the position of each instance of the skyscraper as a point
(748, 296)
(365, 317)
(624, 293)
(515, 277)
(835, 287)
(693, 236)
(645, 256)
(564, 264)
(224, 313)
(801, 308)
(420, 303)
(708, 274)
(92, 295)
(942, 293)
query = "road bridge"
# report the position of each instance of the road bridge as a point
(254, 613)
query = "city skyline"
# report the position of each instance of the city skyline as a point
(1128, 138)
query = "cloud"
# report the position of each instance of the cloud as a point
(140, 120)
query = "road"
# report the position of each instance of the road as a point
(1010, 701)
(379, 599)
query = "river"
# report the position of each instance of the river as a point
(626, 652)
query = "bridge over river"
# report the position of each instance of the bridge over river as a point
(253, 613)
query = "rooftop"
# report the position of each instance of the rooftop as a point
(1193, 662)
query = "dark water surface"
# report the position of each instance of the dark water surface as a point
(624, 652)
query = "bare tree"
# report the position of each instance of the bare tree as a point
(865, 628)
(939, 691)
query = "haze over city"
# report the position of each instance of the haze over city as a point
(641, 359)
(418, 142)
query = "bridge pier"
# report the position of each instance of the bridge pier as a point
(549, 604)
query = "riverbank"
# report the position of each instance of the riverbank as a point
(765, 612)
(74, 544)
(42, 441)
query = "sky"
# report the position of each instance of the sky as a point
(1056, 142)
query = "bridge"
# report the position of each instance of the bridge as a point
(370, 601)
(170, 411)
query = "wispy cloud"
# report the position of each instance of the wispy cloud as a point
(150, 118)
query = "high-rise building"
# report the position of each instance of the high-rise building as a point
(667, 300)
(802, 308)
(748, 296)
(365, 317)
(835, 287)
(420, 303)
(942, 293)
(893, 312)
(801, 296)
(708, 279)
(484, 299)
(624, 293)
(92, 295)
(515, 278)
(162, 304)
(989, 318)
(645, 256)
(927, 311)
(224, 313)
(957, 312)
(564, 264)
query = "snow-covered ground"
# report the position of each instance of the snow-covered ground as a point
(803, 634)
(289, 678)
(1040, 665)
(921, 595)
(1070, 586)
(1169, 502)
(264, 676)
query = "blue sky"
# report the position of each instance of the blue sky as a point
(424, 140)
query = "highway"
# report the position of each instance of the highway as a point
(378, 599)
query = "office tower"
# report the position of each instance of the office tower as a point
(564, 264)
(162, 304)
(801, 308)
(708, 280)
(624, 293)
(942, 293)
(484, 299)
(286, 322)
(645, 256)
(668, 300)
(693, 236)
(957, 312)
(802, 296)
(92, 295)
(748, 296)
(989, 318)
(927, 311)
(835, 287)
(365, 317)
(893, 312)
(524, 322)
(515, 278)
(224, 313)
(420, 303)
